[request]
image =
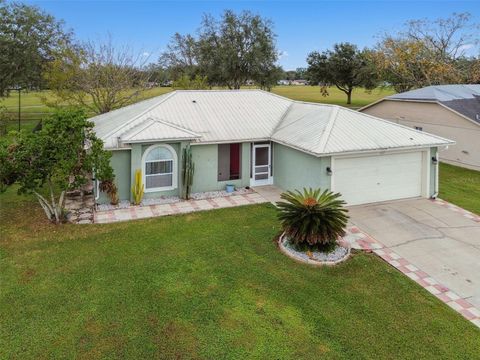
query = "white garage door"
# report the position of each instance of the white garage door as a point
(369, 179)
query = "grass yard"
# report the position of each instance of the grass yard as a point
(460, 186)
(360, 97)
(33, 109)
(208, 285)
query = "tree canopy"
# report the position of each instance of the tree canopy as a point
(59, 157)
(29, 39)
(428, 52)
(345, 67)
(228, 51)
(98, 76)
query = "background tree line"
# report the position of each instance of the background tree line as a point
(38, 52)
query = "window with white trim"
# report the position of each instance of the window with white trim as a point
(159, 168)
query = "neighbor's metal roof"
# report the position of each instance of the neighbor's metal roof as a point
(440, 93)
(248, 115)
(464, 99)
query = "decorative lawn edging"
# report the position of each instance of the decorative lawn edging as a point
(458, 209)
(303, 258)
(363, 241)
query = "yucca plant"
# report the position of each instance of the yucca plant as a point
(312, 218)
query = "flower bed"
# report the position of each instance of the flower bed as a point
(340, 253)
(124, 204)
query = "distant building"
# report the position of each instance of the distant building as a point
(299, 82)
(292, 82)
(451, 111)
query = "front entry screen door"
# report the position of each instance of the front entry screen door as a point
(261, 164)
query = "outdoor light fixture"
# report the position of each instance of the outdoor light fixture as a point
(329, 171)
(434, 160)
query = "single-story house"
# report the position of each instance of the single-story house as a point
(451, 111)
(253, 138)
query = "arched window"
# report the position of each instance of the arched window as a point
(160, 168)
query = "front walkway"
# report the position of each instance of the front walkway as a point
(142, 212)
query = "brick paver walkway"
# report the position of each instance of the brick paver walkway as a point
(361, 240)
(142, 212)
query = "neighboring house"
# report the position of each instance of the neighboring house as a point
(452, 111)
(299, 82)
(292, 82)
(252, 138)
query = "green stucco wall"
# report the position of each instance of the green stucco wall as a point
(120, 162)
(205, 158)
(293, 169)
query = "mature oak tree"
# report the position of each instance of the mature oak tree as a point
(228, 51)
(180, 57)
(29, 39)
(345, 67)
(237, 48)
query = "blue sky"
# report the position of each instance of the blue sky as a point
(301, 26)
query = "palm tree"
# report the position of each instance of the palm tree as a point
(312, 218)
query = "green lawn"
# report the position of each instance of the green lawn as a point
(360, 97)
(33, 109)
(460, 186)
(209, 285)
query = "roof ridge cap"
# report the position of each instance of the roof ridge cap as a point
(280, 121)
(175, 126)
(139, 127)
(114, 131)
(322, 144)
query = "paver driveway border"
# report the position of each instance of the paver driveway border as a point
(361, 240)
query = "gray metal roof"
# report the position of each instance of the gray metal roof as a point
(440, 93)
(464, 99)
(207, 116)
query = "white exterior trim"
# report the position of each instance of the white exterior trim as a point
(269, 180)
(174, 168)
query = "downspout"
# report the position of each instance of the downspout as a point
(435, 178)
(96, 186)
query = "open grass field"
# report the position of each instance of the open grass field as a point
(33, 108)
(208, 285)
(360, 97)
(460, 186)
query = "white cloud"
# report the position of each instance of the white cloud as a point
(282, 54)
(146, 54)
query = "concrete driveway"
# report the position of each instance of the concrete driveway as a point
(439, 241)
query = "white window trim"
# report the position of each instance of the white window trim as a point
(174, 168)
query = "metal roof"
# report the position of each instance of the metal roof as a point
(155, 130)
(440, 93)
(464, 99)
(215, 116)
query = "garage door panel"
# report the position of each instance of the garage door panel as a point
(376, 178)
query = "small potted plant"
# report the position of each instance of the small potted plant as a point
(312, 222)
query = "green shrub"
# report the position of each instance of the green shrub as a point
(312, 218)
